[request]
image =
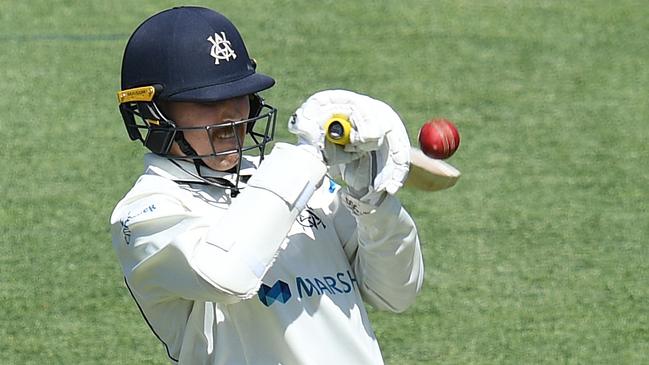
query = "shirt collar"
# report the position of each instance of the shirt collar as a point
(185, 170)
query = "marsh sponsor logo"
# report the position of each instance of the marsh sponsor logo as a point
(339, 284)
(278, 292)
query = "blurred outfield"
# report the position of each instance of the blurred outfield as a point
(538, 256)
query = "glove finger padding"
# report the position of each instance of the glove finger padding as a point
(365, 114)
(358, 175)
(387, 167)
(376, 174)
(339, 155)
(358, 196)
(393, 159)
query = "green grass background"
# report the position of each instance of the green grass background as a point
(538, 256)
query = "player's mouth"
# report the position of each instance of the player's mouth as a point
(224, 133)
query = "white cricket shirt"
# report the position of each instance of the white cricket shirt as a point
(307, 306)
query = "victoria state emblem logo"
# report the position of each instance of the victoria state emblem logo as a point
(309, 219)
(221, 48)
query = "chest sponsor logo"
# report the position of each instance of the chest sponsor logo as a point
(339, 284)
(278, 292)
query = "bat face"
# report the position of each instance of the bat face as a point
(429, 174)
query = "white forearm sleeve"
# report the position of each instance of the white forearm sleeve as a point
(388, 262)
(242, 245)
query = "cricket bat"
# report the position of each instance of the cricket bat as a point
(429, 174)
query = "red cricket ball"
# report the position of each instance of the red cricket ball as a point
(439, 138)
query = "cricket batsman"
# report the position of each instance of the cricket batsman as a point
(238, 256)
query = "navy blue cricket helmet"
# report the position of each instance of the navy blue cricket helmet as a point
(189, 54)
(195, 54)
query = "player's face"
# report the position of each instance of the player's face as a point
(226, 138)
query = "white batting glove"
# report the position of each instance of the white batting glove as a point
(377, 158)
(377, 172)
(366, 115)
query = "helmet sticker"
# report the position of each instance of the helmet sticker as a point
(221, 49)
(144, 93)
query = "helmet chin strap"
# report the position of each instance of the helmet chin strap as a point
(189, 151)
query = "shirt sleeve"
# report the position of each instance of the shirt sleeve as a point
(154, 236)
(168, 249)
(385, 254)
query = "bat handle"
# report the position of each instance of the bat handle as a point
(337, 129)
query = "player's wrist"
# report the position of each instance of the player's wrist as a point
(290, 172)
